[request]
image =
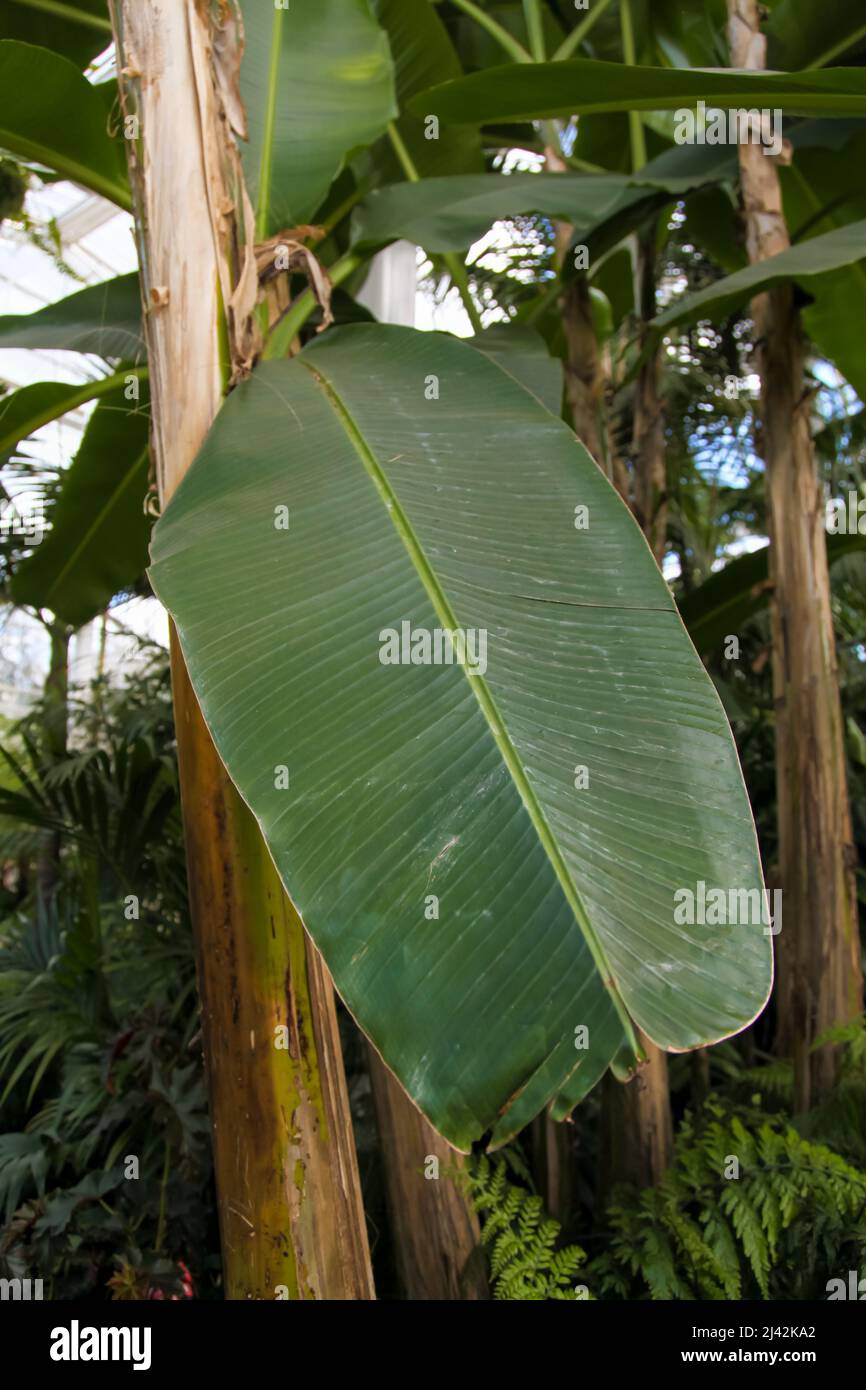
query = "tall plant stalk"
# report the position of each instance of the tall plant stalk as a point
(820, 979)
(291, 1219)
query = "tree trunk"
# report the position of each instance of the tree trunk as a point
(554, 1168)
(820, 981)
(585, 378)
(637, 1135)
(436, 1233)
(587, 382)
(291, 1218)
(636, 1126)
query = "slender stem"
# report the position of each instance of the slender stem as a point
(455, 267)
(71, 14)
(534, 29)
(334, 218)
(833, 52)
(505, 40)
(578, 34)
(407, 164)
(457, 270)
(629, 54)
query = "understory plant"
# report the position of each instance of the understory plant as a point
(756, 1205)
(527, 1262)
(105, 1164)
(749, 1209)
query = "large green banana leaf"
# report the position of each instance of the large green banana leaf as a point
(581, 86)
(834, 323)
(97, 544)
(104, 319)
(317, 81)
(450, 213)
(425, 487)
(805, 263)
(51, 115)
(823, 184)
(715, 223)
(79, 29)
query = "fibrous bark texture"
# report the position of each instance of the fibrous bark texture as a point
(291, 1219)
(820, 981)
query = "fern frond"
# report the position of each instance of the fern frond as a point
(521, 1240)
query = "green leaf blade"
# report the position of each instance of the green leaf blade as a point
(732, 596)
(27, 410)
(805, 36)
(424, 56)
(523, 354)
(555, 904)
(97, 544)
(808, 262)
(585, 86)
(79, 29)
(104, 319)
(51, 115)
(317, 82)
(450, 212)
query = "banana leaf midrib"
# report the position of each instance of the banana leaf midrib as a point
(482, 692)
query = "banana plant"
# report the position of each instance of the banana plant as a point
(488, 848)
